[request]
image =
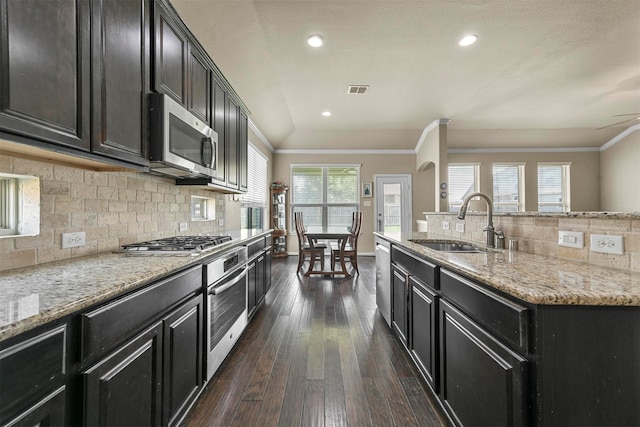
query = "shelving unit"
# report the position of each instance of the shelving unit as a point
(279, 221)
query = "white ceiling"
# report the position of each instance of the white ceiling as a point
(544, 73)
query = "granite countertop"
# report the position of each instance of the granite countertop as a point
(577, 214)
(32, 296)
(533, 278)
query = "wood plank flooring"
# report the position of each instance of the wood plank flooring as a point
(317, 353)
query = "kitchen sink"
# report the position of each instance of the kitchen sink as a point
(447, 246)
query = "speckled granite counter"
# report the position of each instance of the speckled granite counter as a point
(33, 296)
(585, 214)
(534, 278)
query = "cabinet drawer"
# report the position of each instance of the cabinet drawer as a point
(421, 269)
(255, 247)
(30, 369)
(115, 321)
(505, 318)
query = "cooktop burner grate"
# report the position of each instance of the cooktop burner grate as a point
(192, 244)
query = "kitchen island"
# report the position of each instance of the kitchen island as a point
(510, 338)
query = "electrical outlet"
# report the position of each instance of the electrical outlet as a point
(571, 239)
(73, 240)
(460, 227)
(607, 244)
(221, 222)
(183, 226)
(445, 225)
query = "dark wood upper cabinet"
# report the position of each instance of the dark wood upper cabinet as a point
(120, 78)
(219, 124)
(198, 84)
(171, 54)
(45, 62)
(232, 143)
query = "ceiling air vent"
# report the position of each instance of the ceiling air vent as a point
(358, 89)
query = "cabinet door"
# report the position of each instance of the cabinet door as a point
(267, 269)
(198, 84)
(232, 143)
(219, 122)
(260, 279)
(45, 68)
(482, 381)
(243, 156)
(170, 60)
(423, 330)
(399, 315)
(124, 388)
(252, 281)
(120, 73)
(182, 361)
(47, 412)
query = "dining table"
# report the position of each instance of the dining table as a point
(340, 234)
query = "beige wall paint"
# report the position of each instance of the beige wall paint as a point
(585, 174)
(372, 164)
(620, 170)
(433, 155)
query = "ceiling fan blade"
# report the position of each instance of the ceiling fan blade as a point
(630, 114)
(613, 124)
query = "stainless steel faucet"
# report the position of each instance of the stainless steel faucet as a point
(491, 232)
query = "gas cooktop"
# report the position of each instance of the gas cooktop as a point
(178, 244)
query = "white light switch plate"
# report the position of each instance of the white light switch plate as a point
(607, 244)
(460, 227)
(571, 239)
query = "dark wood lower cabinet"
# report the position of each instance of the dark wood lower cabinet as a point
(399, 296)
(483, 383)
(124, 388)
(423, 342)
(182, 381)
(50, 411)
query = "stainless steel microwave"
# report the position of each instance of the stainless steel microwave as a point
(181, 144)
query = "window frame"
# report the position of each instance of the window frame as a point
(520, 203)
(476, 183)
(325, 206)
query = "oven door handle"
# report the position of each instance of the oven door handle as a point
(220, 289)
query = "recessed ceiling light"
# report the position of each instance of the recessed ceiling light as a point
(468, 40)
(315, 41)
(326, 113)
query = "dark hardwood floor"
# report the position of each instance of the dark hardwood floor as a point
(317, 353)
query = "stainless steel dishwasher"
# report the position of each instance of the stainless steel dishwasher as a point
(383, 278)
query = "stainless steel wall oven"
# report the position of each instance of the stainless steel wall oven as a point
(226, 310)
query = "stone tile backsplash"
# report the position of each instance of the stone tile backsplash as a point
(539, 235)
(112, 208)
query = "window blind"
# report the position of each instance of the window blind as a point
(553, 189)
(508, 194)
(256, 195)
(463, 180)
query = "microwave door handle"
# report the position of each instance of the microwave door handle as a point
(208, 162)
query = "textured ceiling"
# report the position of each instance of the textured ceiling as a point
(544, 73)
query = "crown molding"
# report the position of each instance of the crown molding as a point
(613, 141)
(428, 129)
(324, 151)
(523, 150)
(260, 136)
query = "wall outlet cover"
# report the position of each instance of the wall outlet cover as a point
(445, 225)
(73, 240)
(460, 227)
(183, 226)
(607, 244)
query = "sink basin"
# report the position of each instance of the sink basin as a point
(447, 246)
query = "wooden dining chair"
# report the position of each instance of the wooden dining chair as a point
(350, 252)
(314, 254)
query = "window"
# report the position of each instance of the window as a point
(203, 208)
(508, 187)
(553, 187)
(254, 202)
(463, 180)
(327, 196)
(19, 205)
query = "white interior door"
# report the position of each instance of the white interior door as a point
(392, 195)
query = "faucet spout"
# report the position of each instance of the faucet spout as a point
(489, 227)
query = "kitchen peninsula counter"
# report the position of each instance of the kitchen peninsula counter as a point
(33, 296)
(536, 279)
